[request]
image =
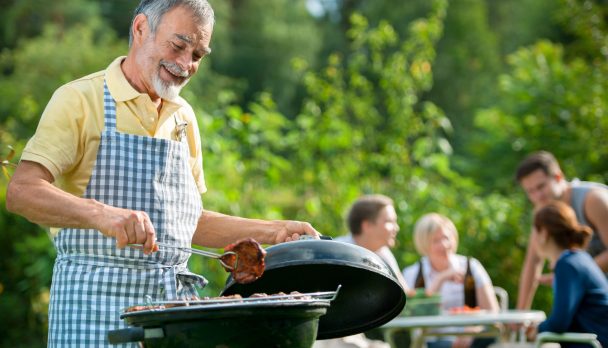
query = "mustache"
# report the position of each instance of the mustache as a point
(174, 69)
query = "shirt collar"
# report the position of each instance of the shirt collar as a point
(121, 90)
(118, 85)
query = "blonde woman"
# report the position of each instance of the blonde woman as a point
(442, 271)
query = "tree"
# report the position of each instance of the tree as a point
(259, 41)
(27, 18)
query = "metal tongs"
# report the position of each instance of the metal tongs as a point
(211, 254)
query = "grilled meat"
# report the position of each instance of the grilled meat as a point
(248, 263)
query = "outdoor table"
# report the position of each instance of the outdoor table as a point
(425, 324)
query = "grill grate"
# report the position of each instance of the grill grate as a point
(292, 298)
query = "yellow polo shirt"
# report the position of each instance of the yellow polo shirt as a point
(67, 138)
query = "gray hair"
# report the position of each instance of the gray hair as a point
(155, 9)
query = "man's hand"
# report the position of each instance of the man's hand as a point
(32, 195)
(546, 279)
(128, 227)
(292, 230)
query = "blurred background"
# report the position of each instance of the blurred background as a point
(305, 105)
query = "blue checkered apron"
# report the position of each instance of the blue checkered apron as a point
(92, 279)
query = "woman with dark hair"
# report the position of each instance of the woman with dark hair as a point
(580, 289)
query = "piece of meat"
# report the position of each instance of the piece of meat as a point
(249, 260)
(143, 308)
(296, 295)
(258, 295)
(235, 297)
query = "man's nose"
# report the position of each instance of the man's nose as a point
(184, 61)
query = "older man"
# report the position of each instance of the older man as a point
(116, 160)
(542, 179)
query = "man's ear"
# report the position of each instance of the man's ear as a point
(559, 176)
(365, 225)
(140, 27)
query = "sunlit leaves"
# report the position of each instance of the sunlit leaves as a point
(5, 163)
(550, 103)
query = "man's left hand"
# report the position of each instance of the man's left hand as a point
(292, 230)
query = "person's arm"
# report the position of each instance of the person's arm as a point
(486, 298)
(528, 280)
(567, 295)
(408, 291)
(216, 230)
(484, 290)
(449, 274)
(596, 212)
(409, 277)
(387, 256)
(30, 193)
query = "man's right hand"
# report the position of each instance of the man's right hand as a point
(128, 227)
(30, 193)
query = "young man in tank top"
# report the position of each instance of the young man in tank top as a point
(542, 179)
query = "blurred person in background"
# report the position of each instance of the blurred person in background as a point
(116, 160)
(543, 181)
(372, 221)
(580, 288)
(441, 271)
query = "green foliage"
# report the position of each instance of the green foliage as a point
(463, 75)
(257, 43)
(38, 66)
(467, 54)
(546, 103)
(518, 23)
(27, 18)
(586, 20)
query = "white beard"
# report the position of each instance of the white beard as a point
(166, 90)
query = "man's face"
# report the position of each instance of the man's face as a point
(385, 227)
(541, 188)
(169, 57)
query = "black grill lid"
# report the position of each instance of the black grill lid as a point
(370, 295)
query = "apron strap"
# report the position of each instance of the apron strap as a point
(109, 108)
